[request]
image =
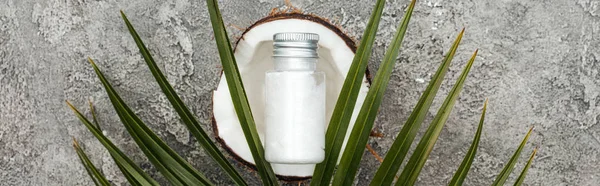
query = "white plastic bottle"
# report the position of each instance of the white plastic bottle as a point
(295, 102)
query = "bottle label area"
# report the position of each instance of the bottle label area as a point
(295, 117)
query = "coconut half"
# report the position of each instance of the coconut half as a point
(253, 53)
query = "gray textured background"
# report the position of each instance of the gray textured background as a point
(538, 65)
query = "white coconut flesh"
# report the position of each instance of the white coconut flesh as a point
(253, 55)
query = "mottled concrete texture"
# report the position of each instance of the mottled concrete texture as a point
(538, 65)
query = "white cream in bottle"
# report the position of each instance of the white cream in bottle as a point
(295, 102)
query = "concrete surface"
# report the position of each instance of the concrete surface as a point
(538, 64)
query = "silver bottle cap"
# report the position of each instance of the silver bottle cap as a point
(295, 44)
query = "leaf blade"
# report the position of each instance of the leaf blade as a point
(172, 166)
(364, 123)
(238, 94)
(93, 111)
(93, 172)
(345, 104)
(184, 113)
(395, 156)
(523, 174)
(129, 167)
(419, 157)
(463, 169)
(510, 165)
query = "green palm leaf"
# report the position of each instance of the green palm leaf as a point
(179, 172)
(93, 111)
(364, 122)
(338, 125)
(463, 169)
(394, 157)
(185, 114)
(510, 165)
(172, 166)
(238, 95)
(92, 171)
(134, 174)
(419, 157)
(524, 172)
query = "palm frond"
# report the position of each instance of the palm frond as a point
(238, 94)
(179, 172)
(463, 169)
(364, 123)
(90, 168)
(134, 174)
(184, 113)
(510, 165)
(521, 177)
(172, 166)
(419, 157)
(342, 113)
(395, 156)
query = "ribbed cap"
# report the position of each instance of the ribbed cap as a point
(296, 36)
(295, 44)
